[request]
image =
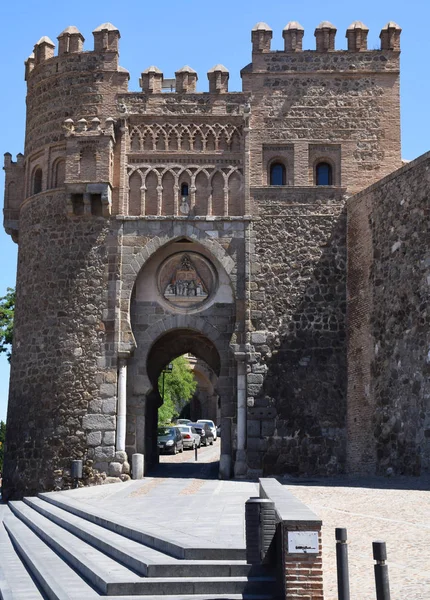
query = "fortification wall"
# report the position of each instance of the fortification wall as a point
(388, 350)
(297, 371)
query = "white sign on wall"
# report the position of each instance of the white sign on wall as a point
(303, 542)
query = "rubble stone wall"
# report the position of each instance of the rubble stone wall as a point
(389, 360)
(63, 383)
(297, 375)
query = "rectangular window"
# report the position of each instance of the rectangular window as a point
(78, 204)
(96, 205)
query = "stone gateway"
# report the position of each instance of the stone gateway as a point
(229, 225)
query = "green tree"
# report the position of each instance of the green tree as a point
(2, 440)
(7, 308)
(179, 387)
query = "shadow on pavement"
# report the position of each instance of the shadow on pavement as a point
(187, 470)
(371, 482)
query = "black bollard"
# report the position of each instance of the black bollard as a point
(342, 564)
(76, 472)
(381, 571)
(195, 452)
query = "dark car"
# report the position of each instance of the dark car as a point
(206, 435)
(169, 440)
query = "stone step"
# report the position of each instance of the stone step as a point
(54, 577)
(98, 569)
(111, 578)
(185, 549)
(202, 597)
(134, 555)
(15, 581)
(180, 586)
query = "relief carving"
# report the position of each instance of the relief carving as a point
(186, 279)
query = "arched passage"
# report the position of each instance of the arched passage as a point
(182, 302)
(177, 342)
(168, 347)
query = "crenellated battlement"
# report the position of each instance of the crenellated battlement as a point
(325, 36)
(104, 56)
(71, 41)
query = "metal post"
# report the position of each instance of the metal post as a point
(342, 564)
(381, 571)
(76, 472)
(167, 369)
(195, 452)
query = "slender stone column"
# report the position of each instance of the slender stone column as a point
(122, 406)
(240, 463)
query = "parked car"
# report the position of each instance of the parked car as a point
(190, 437)
(211, 425)
(206, 435)
(169, 440)
(183, 421)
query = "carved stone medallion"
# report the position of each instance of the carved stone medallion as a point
(186, 279)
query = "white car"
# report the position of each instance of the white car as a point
(211, 425)
(190, 438)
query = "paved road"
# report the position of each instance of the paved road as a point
(184, 465)
(396, 511)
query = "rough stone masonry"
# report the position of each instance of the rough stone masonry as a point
(223, 224)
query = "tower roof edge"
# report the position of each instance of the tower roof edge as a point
(71, 29)
(45, 40)
(105, 27)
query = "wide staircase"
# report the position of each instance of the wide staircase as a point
(51, 546)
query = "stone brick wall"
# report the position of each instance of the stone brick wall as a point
(388, 352)
(297, 374)
(70, 86)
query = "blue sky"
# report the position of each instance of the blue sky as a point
(170, 34)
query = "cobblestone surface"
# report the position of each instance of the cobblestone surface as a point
(396, 511)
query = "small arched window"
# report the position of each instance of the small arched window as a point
(323, 174)
(277, 174)
(59, 173)
(37, 181)
(184, 189)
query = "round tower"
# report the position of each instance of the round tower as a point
(66, 183)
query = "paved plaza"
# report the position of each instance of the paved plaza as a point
(183, 498)
(185, 502)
